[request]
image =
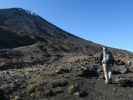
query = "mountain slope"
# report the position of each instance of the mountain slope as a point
(37, 40)
(32, 26)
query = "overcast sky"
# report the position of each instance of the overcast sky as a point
(109, 22)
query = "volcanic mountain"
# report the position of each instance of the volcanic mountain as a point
(28, 38)
(21, 28)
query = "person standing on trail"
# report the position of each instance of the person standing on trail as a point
(107, 63)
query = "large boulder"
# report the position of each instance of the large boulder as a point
(122, 69)
(77, 90)
(62, 70)
(119, 62)
(89, 71)
(124, 81)
(130, 66)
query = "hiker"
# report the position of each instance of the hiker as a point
(107, 63)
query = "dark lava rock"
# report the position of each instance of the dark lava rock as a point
(78, 89)
(120, 69)
(58, 90)
(59, 83)
(83, 93)
(130, 69)
(3, 95)
(119, 62)
(130, 66)
(90, 71)
(49, 93)
(62, 70)
(124, 82)
(73, 89)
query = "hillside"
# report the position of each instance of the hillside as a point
(37, 40)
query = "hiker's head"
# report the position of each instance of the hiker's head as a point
(104, 49)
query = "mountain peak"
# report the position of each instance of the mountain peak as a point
(14, 9)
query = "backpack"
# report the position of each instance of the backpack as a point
(109, 58)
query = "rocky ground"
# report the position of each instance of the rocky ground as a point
(66, 81)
